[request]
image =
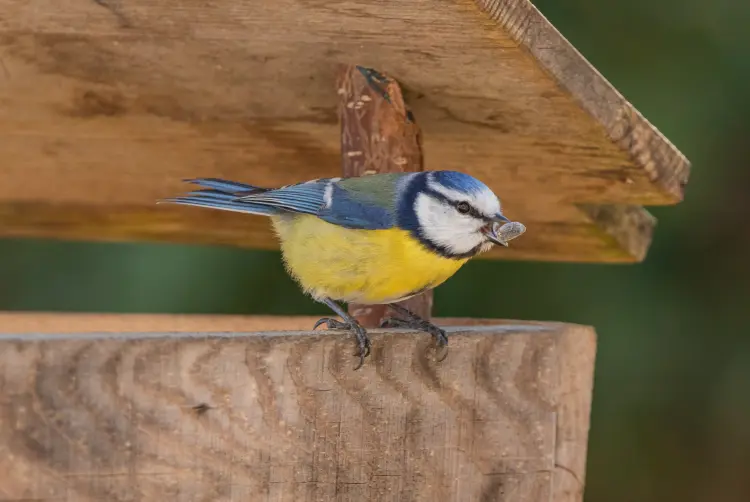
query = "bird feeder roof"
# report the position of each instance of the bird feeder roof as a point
(107, 106)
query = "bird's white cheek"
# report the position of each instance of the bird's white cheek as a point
(444, 226)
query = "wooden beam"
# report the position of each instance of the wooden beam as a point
(378, 135)
(73, 322)
(69, 322)
(612, 239)
(111, 107)
(282, 416)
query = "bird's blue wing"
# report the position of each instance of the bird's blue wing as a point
(348, 209)
(368, 202)
(346, 204)
(331, 201)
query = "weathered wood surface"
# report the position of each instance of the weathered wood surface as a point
(110, 104)
(217, 416)
(74, 322)
(379, 134)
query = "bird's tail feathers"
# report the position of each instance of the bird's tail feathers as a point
(224, 195)
(231, 187)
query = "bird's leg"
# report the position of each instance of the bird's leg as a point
(349, 324)
(413, 321)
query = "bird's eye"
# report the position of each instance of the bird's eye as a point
(463, 207)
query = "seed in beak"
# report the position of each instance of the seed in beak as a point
(503, 234)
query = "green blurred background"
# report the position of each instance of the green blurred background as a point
(671, 412)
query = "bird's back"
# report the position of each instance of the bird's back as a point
(362, 266)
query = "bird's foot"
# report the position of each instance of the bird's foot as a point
(415, 322)
(332, 323)
(363, 342)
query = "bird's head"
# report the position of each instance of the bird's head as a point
(453, 213)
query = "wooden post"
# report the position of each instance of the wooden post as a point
(378, 135)
(247, 417)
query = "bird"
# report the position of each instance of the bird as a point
(375, 239)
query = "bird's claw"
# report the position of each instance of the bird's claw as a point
(441, 338)
(444, 351)
(363, 342)
(332, 323)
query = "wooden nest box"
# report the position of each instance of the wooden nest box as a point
(106, 106)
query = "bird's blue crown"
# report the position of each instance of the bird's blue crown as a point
(461, 182)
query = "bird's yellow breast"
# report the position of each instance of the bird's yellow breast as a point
(362, 266)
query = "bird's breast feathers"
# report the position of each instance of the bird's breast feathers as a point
(362, 266)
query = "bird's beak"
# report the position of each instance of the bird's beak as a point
(491, 234)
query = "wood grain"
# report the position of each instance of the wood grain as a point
(379, 134)
(111, 104)
(225, 417)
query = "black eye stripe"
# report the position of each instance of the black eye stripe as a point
(472, 210)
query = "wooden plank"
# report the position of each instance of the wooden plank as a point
(110, 107)
(379, 134)
(613, 239)
(282, 416)
(70, 322)
(627, 127)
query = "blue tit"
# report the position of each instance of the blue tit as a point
(375, 239)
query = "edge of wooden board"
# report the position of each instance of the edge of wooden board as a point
(627, 127)
(613, 234)
(86, 322)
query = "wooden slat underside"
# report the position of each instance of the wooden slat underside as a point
(106, 106)
(91, 417)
